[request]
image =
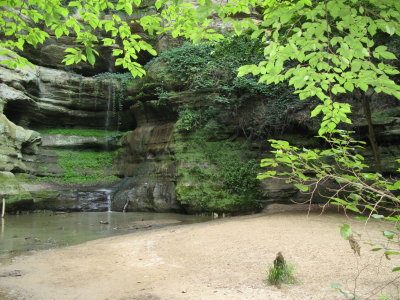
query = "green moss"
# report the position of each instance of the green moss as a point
(215, 176)
(25, 178)
(44, 195)
(81, 132)
(11, 190)
(84, 167)
(22, 196)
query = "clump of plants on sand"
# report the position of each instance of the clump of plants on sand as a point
(280, 271)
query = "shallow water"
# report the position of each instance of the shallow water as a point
(24, 233)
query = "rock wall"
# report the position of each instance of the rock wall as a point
(43, 98)
(148, 163)
(155, 162)
(153, 157)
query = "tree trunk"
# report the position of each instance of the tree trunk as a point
(371, 132)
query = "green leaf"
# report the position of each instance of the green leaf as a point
(387, 55)
(128, 8)
(316, 111)
(353, 208)
(390, 30)
(302, 187)
(158, 4)
(376, 216)
(349, 86)
(336, 285)
(59, 32)
(117, 52)
(376, 249)
(363, 86)
(90, 56)
(389, 234)
(75, 4)
(108, 41)
(345, 231)
(391, 253)
(285, 16)
(396, 269)
(372, 29)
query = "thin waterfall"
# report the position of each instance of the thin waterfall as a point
(108, 113)
(108, 194)
(39, 82)
(109, 105)
(110, 100)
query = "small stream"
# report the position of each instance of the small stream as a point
(20, 234)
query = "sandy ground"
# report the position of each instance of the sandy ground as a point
(222, 259)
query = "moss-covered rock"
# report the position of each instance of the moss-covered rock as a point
(17, 198)
(215, 175)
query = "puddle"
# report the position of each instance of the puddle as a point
(25, 233)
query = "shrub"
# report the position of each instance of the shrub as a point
(188, 120)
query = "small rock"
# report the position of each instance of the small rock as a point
(14, 273)
(104, 222)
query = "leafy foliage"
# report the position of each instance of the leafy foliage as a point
(357, 190)
(213, 67)
(29, 22)
(163, 97)
(188, 120)
(334, 47)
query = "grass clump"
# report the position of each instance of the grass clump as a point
(280, 272)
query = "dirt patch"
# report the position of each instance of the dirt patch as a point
(222, 259)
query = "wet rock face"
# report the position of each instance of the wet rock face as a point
(70, 200)
(52, 53)
(153, 196)
(47, 98)
(148, 163)
(44, 98)
(18, 198)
